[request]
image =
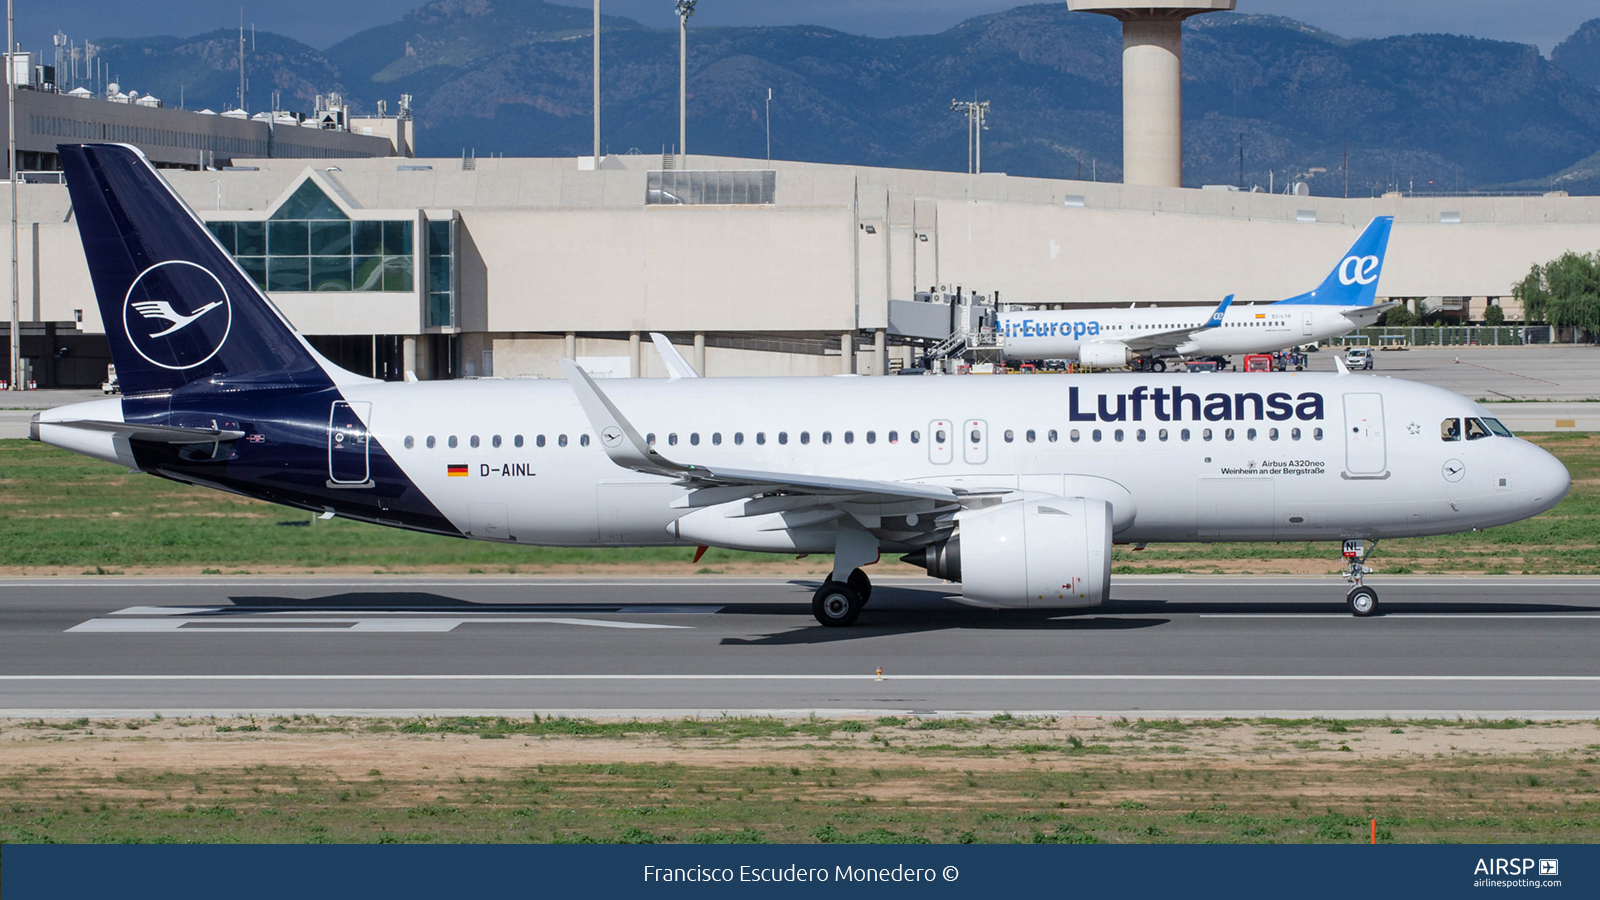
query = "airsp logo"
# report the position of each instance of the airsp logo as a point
(177, 314)
(1358, 270)
(611, 436)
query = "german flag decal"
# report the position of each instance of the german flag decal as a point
(459, 471)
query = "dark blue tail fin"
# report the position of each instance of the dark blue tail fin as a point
(176, 307)
(1354, 281)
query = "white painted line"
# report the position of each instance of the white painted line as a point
(770, 677)
(1418, 615)
(237, 625)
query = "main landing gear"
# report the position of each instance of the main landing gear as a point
(1148, 364)
(838, 603)
(1362, 600)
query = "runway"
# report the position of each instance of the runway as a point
(1165, 646)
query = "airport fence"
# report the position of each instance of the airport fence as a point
(1436, 336)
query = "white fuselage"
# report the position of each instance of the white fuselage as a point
(1264, 328)
(1372, 466)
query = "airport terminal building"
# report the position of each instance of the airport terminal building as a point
(501, 267)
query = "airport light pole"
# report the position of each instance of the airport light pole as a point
(11, 170)
(685, 10)
(977, 112)
(597, 84)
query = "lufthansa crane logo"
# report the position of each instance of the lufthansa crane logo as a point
(1358, 270)
(611, 436)
(177, 314)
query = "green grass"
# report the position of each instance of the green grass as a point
(826, 790)
(74, 514)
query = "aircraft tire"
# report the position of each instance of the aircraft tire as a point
(1158, 366)
(836, 604)
(1363, 602)
(863, 585)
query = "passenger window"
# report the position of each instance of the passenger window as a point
(410, 442)
(672, 439)
(849, 437)
(516, 441)
(939, 436)
(430, 442)
(916, 437)
(1052, 436)
(783, 437)
(1096, 435)
(694, 439)
(761, 437)
(894, 437)
(1250, 434)
(452, 442)
(1162, 434)
(562, 440)
(805, 437)
(716, 439)
(1205, 434)
(872, 437)
(1450, 430)
(1140, 435)
(1227, 434)
(1010, 436)
(1031, 436)
(1272, 434)
(1316, 434)
(976, 436)
(827, 437)
(1294, 434)
(583, 440)
(539, 441)
(473, 441)
(738, 438)
(495, 442)
(1073, 435)
(1117, 434)
(650, 439)
(1184, 434)
(1476, 430)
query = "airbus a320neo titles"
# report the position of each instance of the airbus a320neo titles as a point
(1108, 338)
(1016, 487)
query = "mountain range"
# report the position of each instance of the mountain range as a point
(1424, 112)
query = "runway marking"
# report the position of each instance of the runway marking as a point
(487, 610)
(345, 624)
(1421, 615)
(812, 677)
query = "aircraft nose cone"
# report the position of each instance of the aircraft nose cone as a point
(1547, 479)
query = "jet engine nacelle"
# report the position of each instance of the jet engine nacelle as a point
(1033, 553)
(1105, 355)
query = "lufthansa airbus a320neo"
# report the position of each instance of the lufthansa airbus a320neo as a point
(1016, 487)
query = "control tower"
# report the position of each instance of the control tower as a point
(1152, 83)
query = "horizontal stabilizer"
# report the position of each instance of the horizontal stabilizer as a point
(155, 434)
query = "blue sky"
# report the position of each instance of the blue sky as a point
(321, 24)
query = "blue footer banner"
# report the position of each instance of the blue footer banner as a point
(315, 872)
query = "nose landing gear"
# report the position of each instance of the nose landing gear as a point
(1362, 600)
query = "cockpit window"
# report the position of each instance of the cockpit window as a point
(1450, 430)
(1476, 430)
(1496, 427)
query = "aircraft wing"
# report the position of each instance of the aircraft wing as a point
(628, 449)
(1170, 340)
(677, 366)
(155, 434)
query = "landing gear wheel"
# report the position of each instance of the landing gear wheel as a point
(863, 585)
(1159, 365)
(1363, 601)
(836, 604)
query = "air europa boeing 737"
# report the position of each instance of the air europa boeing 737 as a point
(1109, 338)
(1015, 487)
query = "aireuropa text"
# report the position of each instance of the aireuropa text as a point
(792, 873)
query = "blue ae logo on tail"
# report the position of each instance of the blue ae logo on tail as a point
(177, 314)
